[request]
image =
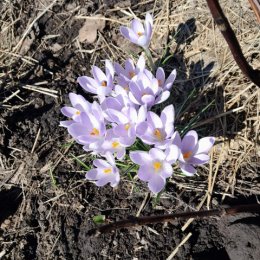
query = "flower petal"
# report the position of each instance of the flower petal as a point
(205, 144)
(172, 153)
(187, 169)
(140, 157)
(157, 183)
(189, 141)
(92, 174)
(162, 97)
(145, 172)
(157, 154)
(154, 120)
(199, 159)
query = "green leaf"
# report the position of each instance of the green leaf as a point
(99, 219)
(80, 162)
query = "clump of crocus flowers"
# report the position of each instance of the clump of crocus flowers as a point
(122, 116)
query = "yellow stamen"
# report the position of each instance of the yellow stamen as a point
(126, 88)
(187, 155)
(140, 34)
(157, 166)
(104, 83)
(157, 133)
(115, 144)
(107, 170)
(127, 126)
(131, 74)
(94, 132)
(77, 113)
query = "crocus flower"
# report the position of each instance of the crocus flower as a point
(145, 91)
(130, 70)
(126, 122)
(193, 151)
(105, 172)
(79, 105)
(138, 33)
(157, 130)
(113, 145)
(90, 129)
(155, 166)
(165, 84)
(102, 83)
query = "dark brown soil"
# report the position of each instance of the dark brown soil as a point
(47, 218)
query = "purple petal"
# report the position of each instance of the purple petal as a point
(140, 66)
(157, 154)
(105, 179)
(189, 141)
(205, 144)
(88, 84)
(120, 130)
(169, 81)
(109, 68)
(127, 141)
(148, 100)
(92, 174)
(99, 163)
(154, 120)
(149, 18)
(143, 41)
(66, 123)
(187, 169)
(98, 74)
(167, 170)
(162, 97)
(129, 34)
(172, 153)
(77, 129)
(137, 26)
(156, 184)
(140, 157)
(145, 172)
(176, 139)
(199, 159)
(160, 76)
(68, 111)
(116, 116)
(167, 115)
(141, 128)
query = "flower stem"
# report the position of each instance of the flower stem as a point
(150, 59)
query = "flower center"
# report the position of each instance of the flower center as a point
(127, 126)
(107, 170)
(94, 132)
(131, 74)
(103, 83)
(77, 113)
(157, 133)
(115, 144)
(157, 166)
(187, 155)
(140, 34)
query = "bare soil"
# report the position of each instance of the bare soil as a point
(46, 205)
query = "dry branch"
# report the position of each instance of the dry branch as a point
(230, 37)
(140, 221)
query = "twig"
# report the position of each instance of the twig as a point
(255, 4)
(230, 37)
(140, 221)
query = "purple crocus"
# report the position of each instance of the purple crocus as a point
(138, 33)
(155, 166)
(130, 70)
(145, 91)
(165, 84)
(113, 145)
(102, 83)
(157, 130)
(91, 127)
(79, 105)
(126, 122)
(193, 151)
(105, 172)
